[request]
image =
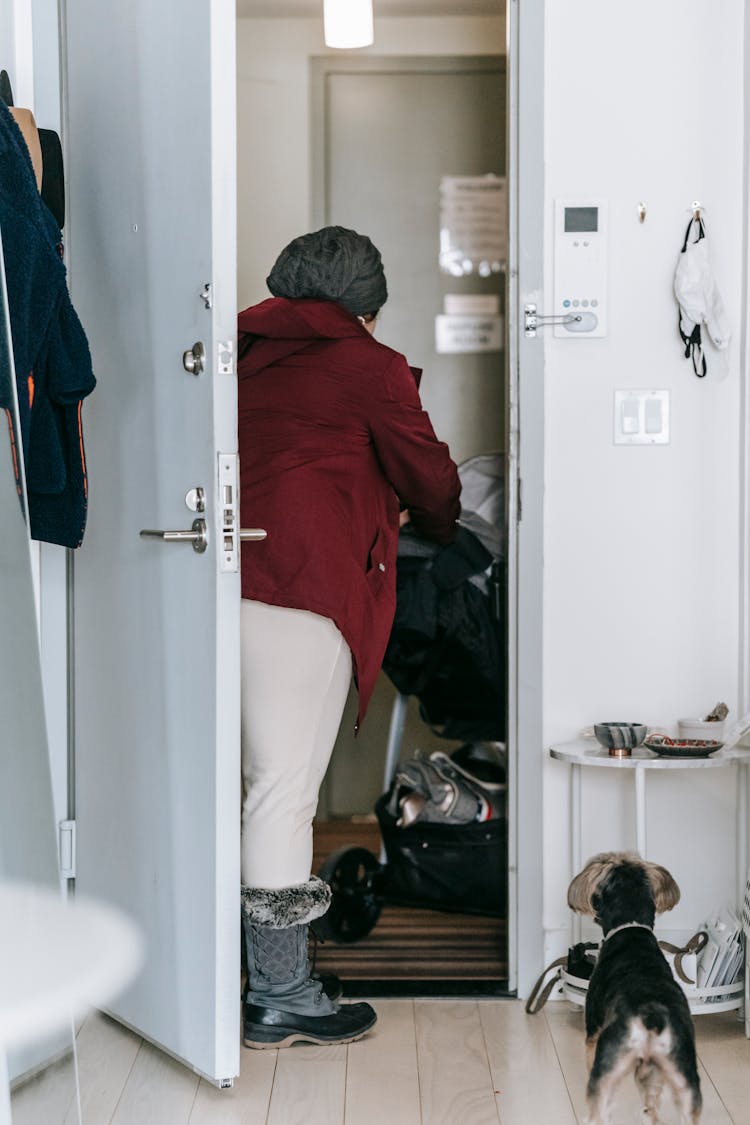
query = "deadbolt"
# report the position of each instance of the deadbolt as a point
(194, 359)
(195, 499)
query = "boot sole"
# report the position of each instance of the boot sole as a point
(281, 1037)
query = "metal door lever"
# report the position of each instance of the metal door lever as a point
(198, 535)
(253, 533)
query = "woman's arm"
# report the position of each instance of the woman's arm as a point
(418, 466)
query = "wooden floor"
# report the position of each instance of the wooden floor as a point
(427, 1062)
(407, 944)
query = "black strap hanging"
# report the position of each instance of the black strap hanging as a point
(693, 343)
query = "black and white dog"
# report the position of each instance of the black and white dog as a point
(637, 1016)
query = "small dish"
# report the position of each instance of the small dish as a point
(682, 747)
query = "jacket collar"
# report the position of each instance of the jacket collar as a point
(279, 327)
(280, 318)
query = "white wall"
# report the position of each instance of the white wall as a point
(641, 586)
(273, 121)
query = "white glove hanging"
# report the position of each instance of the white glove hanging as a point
(699, 298)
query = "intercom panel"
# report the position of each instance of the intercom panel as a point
(581, 238)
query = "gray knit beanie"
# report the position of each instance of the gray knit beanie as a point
(332, 264)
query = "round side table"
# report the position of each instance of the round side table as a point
(585, 752)
(57, 959)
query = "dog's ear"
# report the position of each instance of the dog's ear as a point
(584, 885)
(665, 890)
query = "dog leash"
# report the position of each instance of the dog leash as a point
(541, 993)
(538, 998)
(697, 943)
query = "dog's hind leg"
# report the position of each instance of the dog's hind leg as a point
(689, 1103)
(612, 1060)
(650, 1081)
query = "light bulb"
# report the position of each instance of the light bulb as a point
(348, 23)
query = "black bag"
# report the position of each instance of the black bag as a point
(462, 869)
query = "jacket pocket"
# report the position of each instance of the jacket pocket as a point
(376, 564)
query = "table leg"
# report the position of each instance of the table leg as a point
(640, 812)
(5, 1113)
(575, 837)
(742, 776)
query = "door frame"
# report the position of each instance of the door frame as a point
(525, 459)
(525, 53)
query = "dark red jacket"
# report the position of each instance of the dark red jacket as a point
(332, 436)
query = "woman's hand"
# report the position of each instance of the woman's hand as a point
(403, 517)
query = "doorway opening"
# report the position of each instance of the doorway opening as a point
(385, 141)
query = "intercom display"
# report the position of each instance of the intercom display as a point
(580, 300)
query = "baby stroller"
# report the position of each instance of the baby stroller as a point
(442, 817)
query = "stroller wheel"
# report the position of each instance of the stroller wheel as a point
(354, 875)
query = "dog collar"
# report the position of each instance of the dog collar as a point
(629, 926)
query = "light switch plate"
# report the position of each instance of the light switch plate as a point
(641, 417)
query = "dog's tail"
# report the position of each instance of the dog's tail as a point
(655, 1016)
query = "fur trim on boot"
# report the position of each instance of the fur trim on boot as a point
(286, 906)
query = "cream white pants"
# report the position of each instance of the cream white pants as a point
(296, 669)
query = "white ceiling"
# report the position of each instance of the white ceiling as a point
(289, 9)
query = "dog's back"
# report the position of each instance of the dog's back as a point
(638, 1019)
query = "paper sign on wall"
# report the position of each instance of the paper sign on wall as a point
(473, 225)
(454, 334)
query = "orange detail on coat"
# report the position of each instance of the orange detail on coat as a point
(14, 453)
(30, 383)
(83, 455)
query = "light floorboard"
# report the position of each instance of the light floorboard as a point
(427, 1062)
(454, 1071)
(309, 1086)
(382, 1080)
(106, 1054)
(159, 1091)
(523, 1062)
(248, 1100)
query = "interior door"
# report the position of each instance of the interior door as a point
(150, 154)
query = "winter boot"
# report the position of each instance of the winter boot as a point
(332, 985)
(284, 1004)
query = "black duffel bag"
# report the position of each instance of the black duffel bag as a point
(458, 868)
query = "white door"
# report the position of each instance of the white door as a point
(150, 152)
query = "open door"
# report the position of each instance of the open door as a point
(150, 152)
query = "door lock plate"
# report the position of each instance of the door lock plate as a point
(229, 554)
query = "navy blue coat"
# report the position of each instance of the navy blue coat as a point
(51, 352)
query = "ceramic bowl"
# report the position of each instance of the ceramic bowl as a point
(699, 728)
(620, 736)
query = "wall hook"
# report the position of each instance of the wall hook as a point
(641, 212)
(697, 208)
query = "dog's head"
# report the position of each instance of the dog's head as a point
(619, 887)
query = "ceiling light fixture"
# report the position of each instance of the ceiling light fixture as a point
(348, 23)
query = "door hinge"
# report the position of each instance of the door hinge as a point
(66, 842)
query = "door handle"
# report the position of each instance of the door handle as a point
(197, 535)
(254, 534)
